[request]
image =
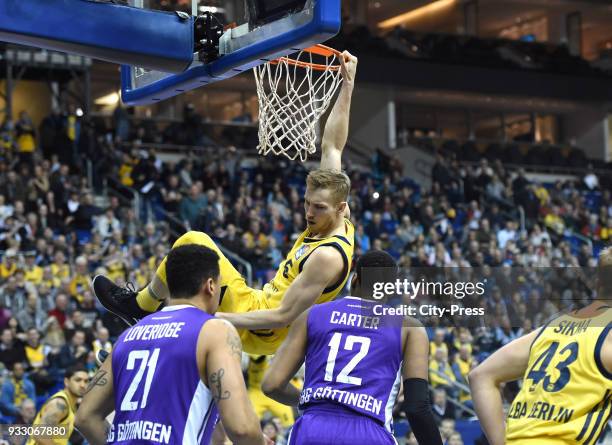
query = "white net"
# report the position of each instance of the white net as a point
(293, 94)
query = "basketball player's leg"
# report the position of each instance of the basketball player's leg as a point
(232, 282)
(131, 305)
(262, 404)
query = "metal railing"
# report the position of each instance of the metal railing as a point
(113, 187)
(89, 168)
(458, 386)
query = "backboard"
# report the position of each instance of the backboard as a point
(272, 28)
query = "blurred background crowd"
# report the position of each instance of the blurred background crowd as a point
(62, 222)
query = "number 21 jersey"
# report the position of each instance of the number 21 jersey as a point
(159, 396)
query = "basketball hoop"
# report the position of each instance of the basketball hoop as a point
(288, 119)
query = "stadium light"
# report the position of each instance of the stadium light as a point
(109, 99)
(415, 14)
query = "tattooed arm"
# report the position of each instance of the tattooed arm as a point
(52, 414)
(219, 354)
(97, 403)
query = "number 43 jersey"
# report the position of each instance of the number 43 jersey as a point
(566, 397)
(353, 360)
(159, 396)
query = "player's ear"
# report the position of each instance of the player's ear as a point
(208, 287)
(342, 207)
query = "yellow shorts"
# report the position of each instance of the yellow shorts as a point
(262, 404)
(236, 297)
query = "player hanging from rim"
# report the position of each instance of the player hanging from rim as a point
(354, 361)
(566, 366)
(172, 375)
(314, 271)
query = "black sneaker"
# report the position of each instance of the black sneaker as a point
(121, 301)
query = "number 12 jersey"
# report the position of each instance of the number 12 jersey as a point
(353, 360)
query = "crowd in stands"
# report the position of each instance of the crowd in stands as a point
(57, 232)
(466, 50)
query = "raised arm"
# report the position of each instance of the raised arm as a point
(52, 414)
(416, 389)
(286, 363)
(98, 402)
(322, 269)
(222, 352)
(335, 133)
(507, 364)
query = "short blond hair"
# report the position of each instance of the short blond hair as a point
(336, 181)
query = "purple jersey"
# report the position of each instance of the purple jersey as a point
(353, 360)
(159, 396)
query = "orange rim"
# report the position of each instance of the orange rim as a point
(320, 50)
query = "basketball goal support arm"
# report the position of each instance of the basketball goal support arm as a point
(101, 30)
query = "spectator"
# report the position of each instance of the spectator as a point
(192, 205)
(440, 371)
(102, 341)
(81, 281)
(270, 429)
(59, 310)
(375, 228)
(83, 218)
(59, 268)
(77, 322)
(107, 224)
(8, 266)
(362, 240)
(27, 412)
(554, 221)
(72, 353)
(442, 409)
(447, 429)
(16, 389)
(13, 188)
(33, 272)
(455, 439)
(506, 234)
(438, 342)
(32, 315)
(54, 335)
(11, 349)
(504, 333)
(36, 353)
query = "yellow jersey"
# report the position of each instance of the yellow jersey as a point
(34, 275)
(267, 341)
(237, 297)
(67, 422)
(566, 395)
(299, 254)
(60, 271)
